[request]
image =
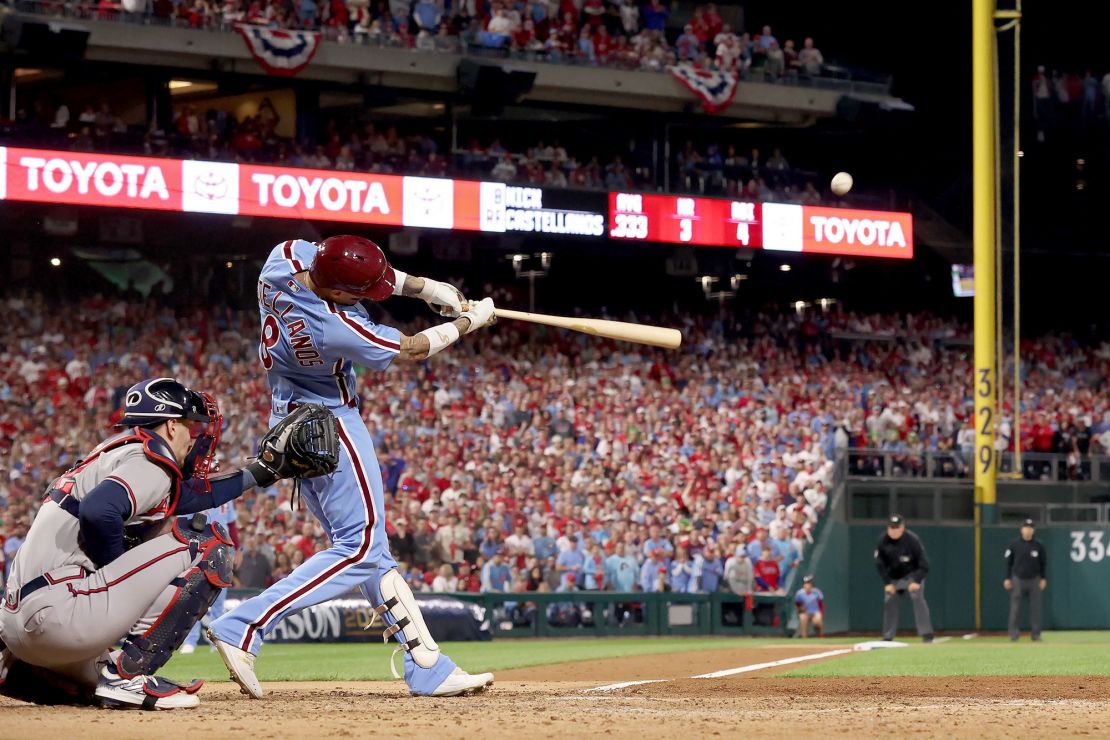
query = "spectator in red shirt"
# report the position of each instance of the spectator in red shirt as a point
(713, 21)
(469, 582)
(603, 45)
(700, 27)
(594, 11)
(767, 572)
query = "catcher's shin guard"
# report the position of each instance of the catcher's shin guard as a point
(404, 617)
(145, 652)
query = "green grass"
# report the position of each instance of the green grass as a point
(370, 662)
(1059, 654)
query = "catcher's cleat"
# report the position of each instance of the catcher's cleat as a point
(240, 664)
(143, 692)
(461, 683)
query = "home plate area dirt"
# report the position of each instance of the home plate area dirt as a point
(555, 701)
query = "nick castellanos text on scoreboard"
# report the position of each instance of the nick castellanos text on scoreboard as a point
(508, 208)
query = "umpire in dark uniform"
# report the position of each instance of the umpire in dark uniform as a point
(902, 564)
(1026, 572)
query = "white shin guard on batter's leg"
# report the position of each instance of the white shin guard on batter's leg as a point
(428, 672)
(402, 615)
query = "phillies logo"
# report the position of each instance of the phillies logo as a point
(428, 202)
(210, 185)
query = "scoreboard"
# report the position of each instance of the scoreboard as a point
(783, 227)
(708, 222)
(194, 186)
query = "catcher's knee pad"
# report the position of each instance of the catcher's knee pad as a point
(196, 591)
(201, 535)
(402, 613)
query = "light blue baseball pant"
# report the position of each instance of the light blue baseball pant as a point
(350, 504)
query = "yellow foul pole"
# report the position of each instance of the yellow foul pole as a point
(985, 378)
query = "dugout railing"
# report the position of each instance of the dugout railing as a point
(607, 614)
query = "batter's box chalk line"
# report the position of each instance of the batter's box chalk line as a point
(742, 669)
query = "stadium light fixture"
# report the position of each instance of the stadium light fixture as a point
(706, 282)
(784, 268)
(55, 262)
(188, 87)
(537, 271)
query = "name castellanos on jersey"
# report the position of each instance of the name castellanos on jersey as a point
(301, 343)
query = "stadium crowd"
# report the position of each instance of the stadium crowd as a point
(349, 146)
(629, 34)
(534, 460)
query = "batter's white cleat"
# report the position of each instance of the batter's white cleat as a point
(240, 664)
(188, 649)
(141, 692)
(461, 683)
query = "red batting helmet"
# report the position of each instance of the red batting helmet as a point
(354, 265)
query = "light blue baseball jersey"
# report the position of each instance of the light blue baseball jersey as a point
(309, 346)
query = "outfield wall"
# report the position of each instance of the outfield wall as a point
(1078, 567)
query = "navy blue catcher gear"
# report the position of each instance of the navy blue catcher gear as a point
(151, 402)
(143, 654)
(154, 400)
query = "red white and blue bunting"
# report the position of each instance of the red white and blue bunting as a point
(714, 89)
(280, 53)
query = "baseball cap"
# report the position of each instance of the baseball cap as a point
(807, 579)
(1028, 523)
(895, 520)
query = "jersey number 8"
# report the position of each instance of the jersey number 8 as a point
(271, 333)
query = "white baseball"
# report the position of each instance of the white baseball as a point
(841, 183)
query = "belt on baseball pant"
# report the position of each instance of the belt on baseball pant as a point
(42, 581)
(31, 586)
(293, 405)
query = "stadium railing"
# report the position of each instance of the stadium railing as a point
(1048, 489)
(601, 613)
(1033, 466)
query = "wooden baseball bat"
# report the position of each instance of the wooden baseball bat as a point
(656, 336)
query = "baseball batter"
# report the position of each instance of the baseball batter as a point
(314, 331)
(107, 562)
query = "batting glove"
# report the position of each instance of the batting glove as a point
(480, 314)
(444, 299)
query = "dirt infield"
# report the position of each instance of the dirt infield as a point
(552, 701)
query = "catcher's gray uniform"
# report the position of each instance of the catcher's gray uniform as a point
(63, 613)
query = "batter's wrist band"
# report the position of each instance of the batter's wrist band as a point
(399, 279)
(441, 337)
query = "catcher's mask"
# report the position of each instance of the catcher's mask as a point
(150, 402)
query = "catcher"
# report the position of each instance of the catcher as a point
(106, 562)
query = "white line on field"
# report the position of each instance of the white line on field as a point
(773, 664)
(730, 671)
(939, 640)
(626, 684)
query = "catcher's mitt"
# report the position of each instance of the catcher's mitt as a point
(305, 444)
